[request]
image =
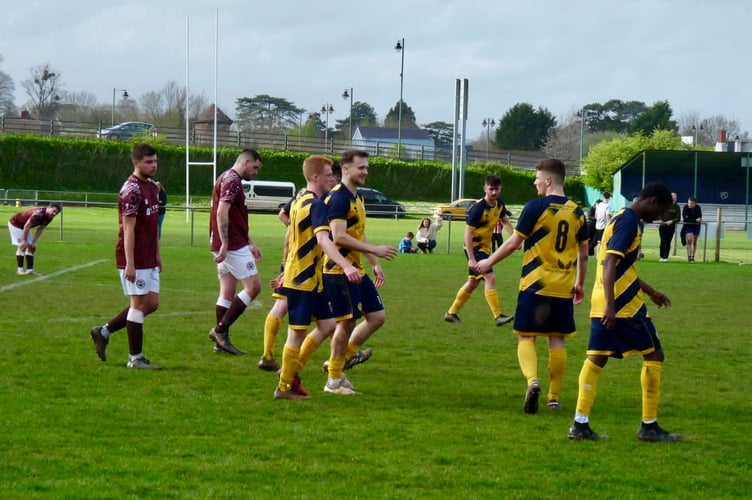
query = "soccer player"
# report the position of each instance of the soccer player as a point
(554, 265)
(481, 219)
(20, 226)
(308, 237)
(277, 313)
(137, 256)
(232, 247)
(620, 325)
(351, 300)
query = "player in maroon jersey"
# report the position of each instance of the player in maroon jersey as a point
(233, 249)
(20, 226)
(137, 257)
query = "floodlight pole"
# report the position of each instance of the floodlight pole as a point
(125, 96)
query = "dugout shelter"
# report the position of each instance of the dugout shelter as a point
(717, 178)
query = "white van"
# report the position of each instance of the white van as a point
(267, 195)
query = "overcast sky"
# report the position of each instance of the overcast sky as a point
(551, 53)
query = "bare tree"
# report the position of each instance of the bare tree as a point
(196, 104)
(78, 106)
(705, 130)
(7, 87)
(43, 88)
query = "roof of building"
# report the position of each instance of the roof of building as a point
(375, 133)
(207, 116)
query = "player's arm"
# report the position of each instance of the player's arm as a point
(659, 298)
(469, 245)
(223, 228)
(505, 250)
(25, 235)
(283, 216)
(351, 272)
(378, 273)
(609, 280)
(129, 244)
(342, 239)
(507, 225)
(579, 284)
(254, 249)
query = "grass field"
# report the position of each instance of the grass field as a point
(441, 411)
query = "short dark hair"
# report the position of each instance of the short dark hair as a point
(250, 153)
(492, 180)
(350, 155)
(337, 169)
(553, 167)
(56, 205)
(659, 191)
(142, 149)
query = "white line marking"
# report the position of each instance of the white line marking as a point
(48, 276)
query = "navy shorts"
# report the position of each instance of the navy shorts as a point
(692, 229)
(629, 336)
(351, 300)
(479, 255)
(541, 315)
(304, 307)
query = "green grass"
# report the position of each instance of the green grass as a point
(441, 411)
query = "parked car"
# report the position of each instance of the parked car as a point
(267, 195)
(378, 205)
(455, 210)
(126, 130)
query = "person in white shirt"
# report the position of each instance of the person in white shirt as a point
(602, 216)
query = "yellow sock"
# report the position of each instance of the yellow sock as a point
(528, 358)
(492, 297)
(588, 386)
(336, 367)
(557, 366)
(650, 379)
(309, 346)
(271, 329)
(290, 366)
(351, 350)
(459, 301)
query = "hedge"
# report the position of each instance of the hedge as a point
(72, 164)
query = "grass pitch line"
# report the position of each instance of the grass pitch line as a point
(51, 275)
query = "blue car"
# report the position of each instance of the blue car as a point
(126, 130)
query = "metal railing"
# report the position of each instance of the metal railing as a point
(279, 140)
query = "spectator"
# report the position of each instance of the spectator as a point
(427, 234)
(406, 244)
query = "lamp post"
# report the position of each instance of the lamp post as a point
(349, 95)
(300, 125)
(400, 46)
(488, 123)
(695, 127)
(327, 108)
(583, 113)
(125, 96)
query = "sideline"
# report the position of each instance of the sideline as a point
(48, 276)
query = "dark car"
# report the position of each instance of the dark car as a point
(378, 205)
(126, 130)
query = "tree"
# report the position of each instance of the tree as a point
(78, 107)
(656, 117)
(7, 87)
(266, 113)
(408, 116)
(362, 114)
(524, 128)
(608, 156)
(441, 132)
(42, 88)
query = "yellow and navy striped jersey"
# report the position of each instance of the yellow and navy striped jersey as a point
(343, 205)
(482, 218)
(305, 257)
(553, 228)
(622, 237)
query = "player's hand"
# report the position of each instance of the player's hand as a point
(130, 272)
(352, 274)
(579, 295)
(482, 266)
(378, 277)
(609, 317)
(277, 281)
(385, 252)
(660, 299)
(256, 253)
(221, 254)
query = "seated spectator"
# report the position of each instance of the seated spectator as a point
(406, 244)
